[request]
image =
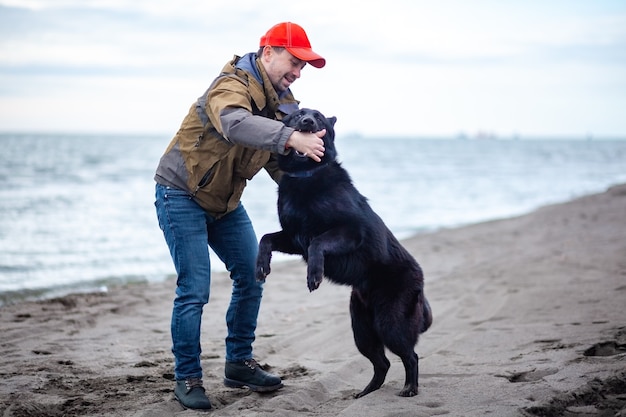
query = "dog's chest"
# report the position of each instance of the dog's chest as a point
(300, 215)
(301, 198)
(304, 215)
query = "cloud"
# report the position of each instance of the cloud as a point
(448, 66)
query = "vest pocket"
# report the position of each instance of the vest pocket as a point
(205, 179)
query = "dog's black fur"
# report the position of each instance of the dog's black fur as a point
(327, 221)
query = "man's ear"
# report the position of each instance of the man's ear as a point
(267, 52)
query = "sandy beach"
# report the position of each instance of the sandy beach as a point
(529, 320)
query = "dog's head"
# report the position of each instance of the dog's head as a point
(308, 120)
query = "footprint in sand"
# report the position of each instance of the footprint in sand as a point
(610, 348)
(613, 347)
(529, 376)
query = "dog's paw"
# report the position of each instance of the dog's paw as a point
(315, 271)
(262, 273)
(408, 391)
(313, 282)
(262, 268)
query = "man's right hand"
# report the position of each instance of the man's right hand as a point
(308, 144)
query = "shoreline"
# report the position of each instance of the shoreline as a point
(529, 320)
(104, 285)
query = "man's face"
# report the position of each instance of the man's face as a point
(282, 68)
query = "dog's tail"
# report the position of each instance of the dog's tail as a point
(427, 314)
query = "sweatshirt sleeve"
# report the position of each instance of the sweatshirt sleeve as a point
(229, 107)
(243, 128)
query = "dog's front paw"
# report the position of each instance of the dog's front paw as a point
(313, 282)
(262, 268)
(261, 274)
(315, 272)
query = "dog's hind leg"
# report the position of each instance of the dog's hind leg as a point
(368, 343)
(401, 340)
(411, 368)
(404, 349)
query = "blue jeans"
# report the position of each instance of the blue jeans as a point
(189, 231)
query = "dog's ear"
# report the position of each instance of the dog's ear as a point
(332, 120)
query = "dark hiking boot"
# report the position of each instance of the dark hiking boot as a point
(191, 394)
(249, 374)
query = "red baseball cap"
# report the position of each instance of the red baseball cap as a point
(293, 38)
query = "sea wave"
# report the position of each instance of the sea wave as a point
(77, 211)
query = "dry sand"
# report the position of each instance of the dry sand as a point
(530, 319)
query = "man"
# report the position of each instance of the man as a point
(229, 134)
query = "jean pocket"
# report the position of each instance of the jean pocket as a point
(171, 192)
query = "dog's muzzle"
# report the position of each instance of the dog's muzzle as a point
(307, 124)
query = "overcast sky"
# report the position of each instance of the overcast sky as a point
(410, 68)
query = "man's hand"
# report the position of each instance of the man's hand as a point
(308, 144)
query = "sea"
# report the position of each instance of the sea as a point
(77, 210)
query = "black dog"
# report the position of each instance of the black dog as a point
(327, 221)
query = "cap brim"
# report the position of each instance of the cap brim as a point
(308, 55)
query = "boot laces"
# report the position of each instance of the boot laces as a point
(251, 363)
(192, 383)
